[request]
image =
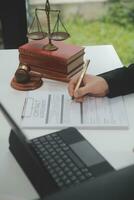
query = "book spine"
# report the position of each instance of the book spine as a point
(50, 64)
(50, 74)
(42, 56)
(55, 75)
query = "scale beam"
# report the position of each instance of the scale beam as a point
(56, 34)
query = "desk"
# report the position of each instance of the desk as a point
(115, 145)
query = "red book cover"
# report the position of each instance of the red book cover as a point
(65, 53)
(51, 65)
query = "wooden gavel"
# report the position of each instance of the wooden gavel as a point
(24, 73)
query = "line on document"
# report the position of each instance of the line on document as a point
(111, 111)
(81, 111)
(26, 102)
(62, 104)
(48, 108)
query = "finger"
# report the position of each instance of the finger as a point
(82, 91)
(79, 100)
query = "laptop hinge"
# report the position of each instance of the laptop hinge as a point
(39, 177)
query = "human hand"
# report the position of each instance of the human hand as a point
(92, 85)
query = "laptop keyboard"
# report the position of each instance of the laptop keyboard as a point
(61, 162)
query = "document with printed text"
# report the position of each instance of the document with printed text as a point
(57, 110)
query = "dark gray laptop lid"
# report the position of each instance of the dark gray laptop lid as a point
(14, 125)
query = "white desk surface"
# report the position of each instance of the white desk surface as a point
(115, 145)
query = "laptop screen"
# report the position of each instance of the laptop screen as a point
(14, 126)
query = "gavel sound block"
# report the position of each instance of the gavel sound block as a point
(25, 79)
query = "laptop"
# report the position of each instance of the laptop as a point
(118, 185)
(56, 161)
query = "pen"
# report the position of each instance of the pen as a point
(81, 76)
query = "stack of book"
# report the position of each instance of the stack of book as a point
(61, 64)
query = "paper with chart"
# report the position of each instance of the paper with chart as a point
(57, 110)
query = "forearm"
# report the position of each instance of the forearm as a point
(120, 81)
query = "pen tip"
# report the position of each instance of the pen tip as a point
(72, 97)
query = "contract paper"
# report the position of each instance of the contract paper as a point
(57, 110)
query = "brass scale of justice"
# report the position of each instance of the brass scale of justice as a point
(54, 35)
(25, 79)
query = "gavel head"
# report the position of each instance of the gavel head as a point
(22, 74)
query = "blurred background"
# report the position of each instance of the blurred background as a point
(94, 22)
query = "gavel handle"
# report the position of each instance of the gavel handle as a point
(41, 75)
(36, 74)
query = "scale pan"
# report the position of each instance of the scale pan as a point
(36, 35)
(58, 36)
